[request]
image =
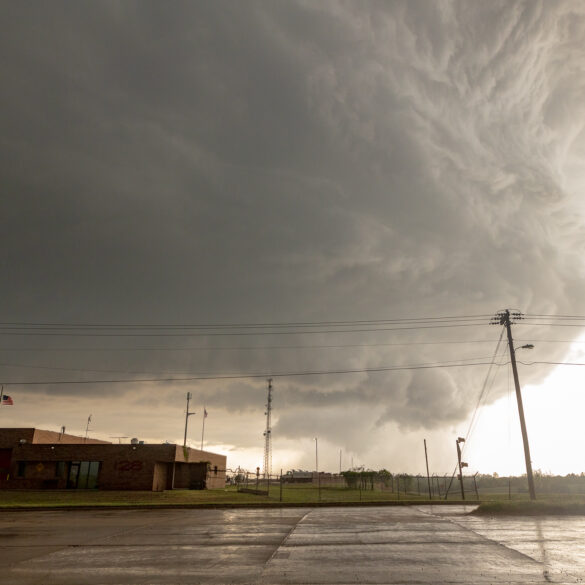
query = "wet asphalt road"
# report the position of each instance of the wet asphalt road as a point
(288, 546)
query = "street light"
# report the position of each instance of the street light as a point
(461, 464)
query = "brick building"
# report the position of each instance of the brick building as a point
(38, 459)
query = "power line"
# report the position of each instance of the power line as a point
(255, 375)
(228, 334)
(484, 390)
(163, 372)
(479, 401)
(239, 325)
(251, 347)
(581, 325)
(549, 316)
(551, 363)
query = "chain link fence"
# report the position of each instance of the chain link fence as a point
(367, 486)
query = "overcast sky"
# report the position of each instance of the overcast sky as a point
(220, 162)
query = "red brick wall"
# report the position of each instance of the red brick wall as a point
(11, 437)
(133, 467)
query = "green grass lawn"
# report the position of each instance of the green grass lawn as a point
(545, 505)
(58, 498)
(295, 494)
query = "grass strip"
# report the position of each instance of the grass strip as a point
(229, 497)
(560, 506)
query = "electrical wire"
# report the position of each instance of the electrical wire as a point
(168, 372)
(486, 387)
(239, 325)
(481, 394)
(243, 376)
(244, 348)
(44, 333)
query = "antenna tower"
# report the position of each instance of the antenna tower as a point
(268, 433)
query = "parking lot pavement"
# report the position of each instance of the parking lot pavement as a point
(558, 543)
(379, 545)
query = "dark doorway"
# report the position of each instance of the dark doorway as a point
(5, 459)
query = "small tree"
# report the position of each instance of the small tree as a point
(384, 477)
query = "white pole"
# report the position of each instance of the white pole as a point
(316, 455)
(203, 426)
(187, 415)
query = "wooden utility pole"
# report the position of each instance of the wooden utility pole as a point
(505, 320)
(428, 476)
(187, 415)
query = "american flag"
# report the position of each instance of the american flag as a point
(7, 400)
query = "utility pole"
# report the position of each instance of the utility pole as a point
(339, 461)
(268, 433)
(461, 464)
(504, 318)
(187, 415)
(428, 476)
(203, 426)
(316, 455)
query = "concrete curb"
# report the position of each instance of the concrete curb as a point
(227, 506)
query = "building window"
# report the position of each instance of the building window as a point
(21, 468)
(83, 474)
(60, 469)
(215, 470)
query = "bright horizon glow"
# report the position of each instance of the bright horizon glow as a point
(554, 420)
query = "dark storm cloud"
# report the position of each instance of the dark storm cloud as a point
(242, 162)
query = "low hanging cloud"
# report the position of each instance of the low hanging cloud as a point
(285, 162)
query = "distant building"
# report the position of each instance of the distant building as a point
(298, 476)
(38, 459)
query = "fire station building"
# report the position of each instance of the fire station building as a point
(38, 459)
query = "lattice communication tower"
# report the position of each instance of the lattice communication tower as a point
(268, 433)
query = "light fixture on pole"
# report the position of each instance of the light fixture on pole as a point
(461, 464)
(505, 318)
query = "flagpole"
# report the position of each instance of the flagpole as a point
(203, 426)
(87, 428)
